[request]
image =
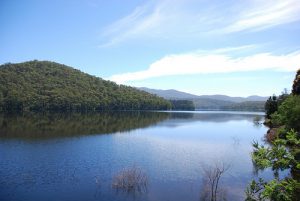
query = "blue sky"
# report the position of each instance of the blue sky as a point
(233, 47)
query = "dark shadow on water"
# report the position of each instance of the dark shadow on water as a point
(50, 125)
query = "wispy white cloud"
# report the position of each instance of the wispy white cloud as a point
(194, 18)
(160, 19)
(231, 49)
(211, 62)
(126, 26)
(265, 14)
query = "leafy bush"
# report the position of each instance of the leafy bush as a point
(273, 190)
(280, 156)
(288, 113)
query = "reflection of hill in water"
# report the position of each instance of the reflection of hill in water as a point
(62, 125)
(31, 125)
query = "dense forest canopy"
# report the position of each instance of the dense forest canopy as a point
(49, 86)
(246, 106)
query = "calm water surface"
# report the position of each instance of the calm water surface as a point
(76, 156)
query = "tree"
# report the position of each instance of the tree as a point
(1, 101)
(288, 113)
(296, 84)
(271, 106)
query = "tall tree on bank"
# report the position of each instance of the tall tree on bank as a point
(271, 106)
(296, 84)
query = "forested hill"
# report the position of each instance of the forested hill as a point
(49, 86)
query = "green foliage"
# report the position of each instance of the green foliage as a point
(271, 106)
(182, 105)
(280, 190)
(254, 190)
(292, 138)
(281, 98)
(288, 113)
(276, 120)
(284, 153)
(279, 156)
(274, 190)
(49, 86)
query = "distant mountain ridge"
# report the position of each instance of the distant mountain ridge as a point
(174, 94)
(212, 102)
(170, 94)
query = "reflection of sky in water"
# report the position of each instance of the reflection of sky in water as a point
(182, 150)
(172, 152)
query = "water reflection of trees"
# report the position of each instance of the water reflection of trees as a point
(31, 125)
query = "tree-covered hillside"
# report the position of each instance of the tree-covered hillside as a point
(214, 104)
(44, 85)
(182, 105)
(246, 106)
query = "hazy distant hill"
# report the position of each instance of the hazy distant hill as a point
(215, 102)
(44, 85)
(170, 94)
(235, 99)
(246, 105)
(174, 94)
(210, 104)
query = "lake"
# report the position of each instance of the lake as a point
(79, 156)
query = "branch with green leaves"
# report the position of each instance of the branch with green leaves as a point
(279, 156)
